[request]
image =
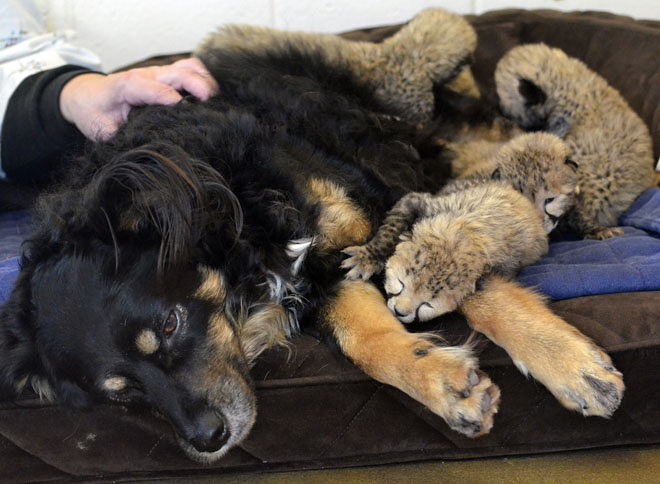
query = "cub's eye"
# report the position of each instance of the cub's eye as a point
(548, 201)
(395, 289)
(171, 323)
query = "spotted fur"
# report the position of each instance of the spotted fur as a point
(488, 228)
(435, 47)
(534, 165)
(542, 88)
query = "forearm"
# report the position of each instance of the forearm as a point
(35, 135)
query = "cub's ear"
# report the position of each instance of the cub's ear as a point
(572, 164)
(531, 93)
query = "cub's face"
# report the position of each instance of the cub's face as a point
(554, 194)
(539, 166)
(553, 203)
(427, 278)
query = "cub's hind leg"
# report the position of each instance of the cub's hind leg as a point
(445, 379)
(575, 370)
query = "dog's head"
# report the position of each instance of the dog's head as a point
(114, 305)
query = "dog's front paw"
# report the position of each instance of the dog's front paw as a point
(458, 391)
(589, 383)
(472, 415)
(361, 263)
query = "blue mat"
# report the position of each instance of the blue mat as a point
(571, 268)
(630, 262)
(14, 227)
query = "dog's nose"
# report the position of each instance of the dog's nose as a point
(211, 432)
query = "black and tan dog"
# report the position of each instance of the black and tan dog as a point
(203, 234)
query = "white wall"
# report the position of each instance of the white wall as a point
(125, 31)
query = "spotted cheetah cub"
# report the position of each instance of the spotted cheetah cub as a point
(436, 248)
(434, 48)
(542, 88)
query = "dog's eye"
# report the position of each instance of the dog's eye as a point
(122, 389)
(171, 323)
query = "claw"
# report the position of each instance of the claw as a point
(473, 378)
(607, 394)
(485, 402)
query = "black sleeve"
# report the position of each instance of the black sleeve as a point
(35, 136)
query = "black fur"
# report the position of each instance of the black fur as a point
(219, 184)
(532, 93)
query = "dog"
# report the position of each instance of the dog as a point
(202, 234)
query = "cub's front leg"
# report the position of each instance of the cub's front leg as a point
(575, 370)
(366, 260)
(445, 379)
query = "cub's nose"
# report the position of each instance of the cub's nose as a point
(402, 314)
(211, 432)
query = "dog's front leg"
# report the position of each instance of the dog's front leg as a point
(446, 379)
(577, 372)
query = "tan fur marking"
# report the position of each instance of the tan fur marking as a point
(220, 331)
(341, 222)
(147, 342)
(553, 351)
(114, 383)
(268, 326)
(377, 342)
(224, 347)
(212, 287)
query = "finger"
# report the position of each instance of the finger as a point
(202, 86)
(192, 63)
(139, 90)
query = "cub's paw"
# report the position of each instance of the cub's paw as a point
(604, 233)
(361, 264)
(458, 391)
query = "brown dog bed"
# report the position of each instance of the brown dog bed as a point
(317, 410)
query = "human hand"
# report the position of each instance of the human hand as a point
(98, 104)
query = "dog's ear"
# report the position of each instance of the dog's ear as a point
(71, 395)
(531, 93)
(157, 192)
(19, 361)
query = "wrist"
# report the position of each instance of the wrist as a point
(74, 94)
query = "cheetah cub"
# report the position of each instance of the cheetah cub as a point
(542, 88)
(434, 48)
(435, 248)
